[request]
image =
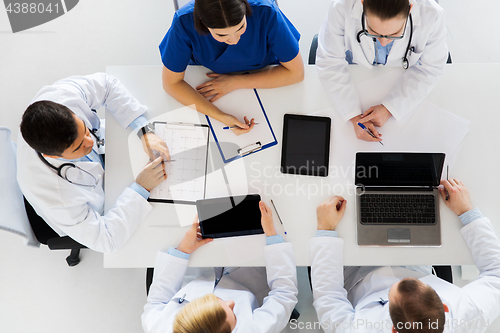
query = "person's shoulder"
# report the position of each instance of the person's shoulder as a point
(262, 7)
(261, 3)
(185, 12)
(427, 7)
(346, 6)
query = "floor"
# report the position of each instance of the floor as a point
(39, 292)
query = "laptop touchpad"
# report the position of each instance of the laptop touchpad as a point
(398, 235)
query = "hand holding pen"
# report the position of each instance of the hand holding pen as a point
(236, 126)
(367, 130)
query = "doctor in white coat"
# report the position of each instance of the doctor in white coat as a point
(240, 293)
(373, 299)
(407, 34)
(63, 129)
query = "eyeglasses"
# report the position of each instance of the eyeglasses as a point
(365, 32)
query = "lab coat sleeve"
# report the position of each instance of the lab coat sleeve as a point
(419, 80)
(483, 294)
(100, 89)
(327, 276)
(167, 281)
(102, 233)
(332, 66)
(275, 312)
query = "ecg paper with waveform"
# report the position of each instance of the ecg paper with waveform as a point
(187, 144)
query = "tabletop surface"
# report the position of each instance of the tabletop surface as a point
(466, 90)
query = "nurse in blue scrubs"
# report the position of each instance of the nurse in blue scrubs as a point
(229, 36)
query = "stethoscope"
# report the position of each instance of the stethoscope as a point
(405, 63)
(62, 170)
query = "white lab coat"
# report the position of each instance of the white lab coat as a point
(476, 304)
(338, 34)
(74, 210)
(272, 316)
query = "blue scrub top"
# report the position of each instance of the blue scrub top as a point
(270, 38)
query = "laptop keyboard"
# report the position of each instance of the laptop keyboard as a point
(397, 208)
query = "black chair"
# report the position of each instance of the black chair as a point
(314, 47)
(312, 50)
(443, 272)
(47, 236)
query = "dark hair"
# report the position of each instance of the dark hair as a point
(386, 9)
(219, 14)
(417, 308)
(48, 127)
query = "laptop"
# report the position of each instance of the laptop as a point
(397, 200)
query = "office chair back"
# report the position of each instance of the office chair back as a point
(17, 215)
(13, 217)
(41, 229)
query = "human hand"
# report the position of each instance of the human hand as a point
(152, 175)
(242, 128)
(456, 196)
(362, 134)
(155, 147)
(192, 239)
(267, 219)
(221, 85)
(377, 115)
(330, 212)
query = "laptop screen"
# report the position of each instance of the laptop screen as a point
(399, 169)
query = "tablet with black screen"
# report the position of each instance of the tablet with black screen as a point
(306, 145)
(230, 216)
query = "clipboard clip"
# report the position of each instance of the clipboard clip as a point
(249, 149)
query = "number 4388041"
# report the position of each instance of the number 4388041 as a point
(32, 8)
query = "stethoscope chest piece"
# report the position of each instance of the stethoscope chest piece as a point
(405, 63)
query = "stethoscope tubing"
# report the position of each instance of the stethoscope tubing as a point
(59, 169)
(404, 62)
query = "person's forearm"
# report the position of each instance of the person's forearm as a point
(187, 95)
(276, 76)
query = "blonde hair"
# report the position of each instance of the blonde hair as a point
(203, 315)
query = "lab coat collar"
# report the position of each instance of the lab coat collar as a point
(357, 10)
(415, 14)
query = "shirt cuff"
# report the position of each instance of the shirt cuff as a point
(138, 122)
(177, 253)
(141, 190)
(270, 240)
(470, 216)
(326, 233)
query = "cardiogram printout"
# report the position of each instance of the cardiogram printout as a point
(188, 147)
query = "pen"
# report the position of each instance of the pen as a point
(369, 132)
(279, 218)
(447, 177)
(156, 154)
(229, 127)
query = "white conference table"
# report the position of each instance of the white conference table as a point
(467, 90)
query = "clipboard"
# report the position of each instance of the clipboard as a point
(188, 145)
(240, 103)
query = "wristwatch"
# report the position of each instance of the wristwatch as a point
(149, 128)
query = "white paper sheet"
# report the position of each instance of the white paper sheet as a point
(432, 129)
(239, 103)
